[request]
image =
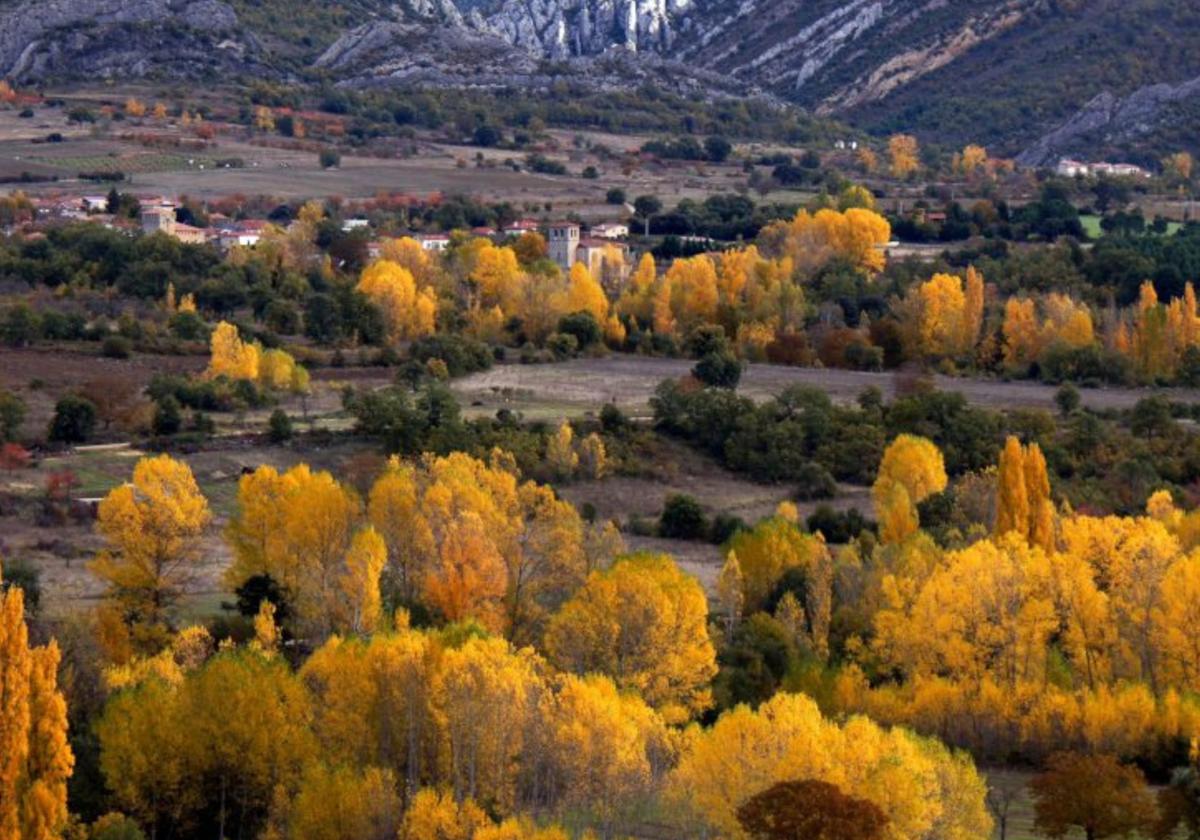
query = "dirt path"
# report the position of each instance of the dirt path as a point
(629, 381)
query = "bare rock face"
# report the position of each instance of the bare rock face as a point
(120, 38)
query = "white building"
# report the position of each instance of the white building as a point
(609, 230)
(434, 241)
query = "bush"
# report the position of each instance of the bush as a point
(583, 326)
(188, 326)
(1067, 399)
(12, 415)
(615, 196)
(837, 527)
(462, 355)
(682, 519)
(280, 426)
(562, 345)
(329, 159)
(612, 419)
(719, 370)
(168, 418)
(74, 420)
(116, 347)
(815, 482)
(723, 527)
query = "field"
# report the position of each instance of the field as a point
(629, 381)
(420, 166)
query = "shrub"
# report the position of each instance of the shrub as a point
(188, 326)
(562, 345)
(813, 481)
(583, 326)
(280, 426)
(329, 159)
(12, 415)
(615, 196)
(116, 347)
(719, 370)
(462, 355)
(74, 420)
(682, 519)
(168, 418)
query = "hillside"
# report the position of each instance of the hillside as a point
(1037, 78)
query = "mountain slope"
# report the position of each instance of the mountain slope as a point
(1038, 78)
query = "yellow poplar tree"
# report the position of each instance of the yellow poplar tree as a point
(408, 312)
(35, 758)
(152, 528)
(644, 623)
(912, 469)
(905, 155)
(231, 356)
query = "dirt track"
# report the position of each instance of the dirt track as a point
(629, 381)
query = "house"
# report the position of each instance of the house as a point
(1069, 168)
(350, 225)
(94, 203)
(244, 234)
(519, 227)
(162, 220)
(563, 239)
(609, 230)
(484, 232)
(1120, 170)
(594, 254)
(434, 241)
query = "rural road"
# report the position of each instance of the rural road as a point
(629, 381)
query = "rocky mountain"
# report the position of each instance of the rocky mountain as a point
(1037, 78)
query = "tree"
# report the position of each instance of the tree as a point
(560, 452)
(74, 420)
(642, 622)
(682, 518)
(810, 810)
(916, 782)
(12, 415)
(343, 803)
(231, 356)
(912, 470)
(409, 313)
(719, 370)
(35, 758)
(905, 155)
(279, 426)
(329, 159)
(152, 528)
(646, 207)
(1096, 793)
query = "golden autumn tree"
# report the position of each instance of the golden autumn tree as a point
(912, 469)
(476, 542)
(1023, 501)
(561, 457)
(152, 527)
(770, 550)
(135, 107)
(230, 734)
(231, 356)
(904, 154)
(35, 759)
(342, 803)
(305, 531)
(584, 294)
(409, 312)
(436, 814)
(972, 159)
(921, 787)
(644, 623)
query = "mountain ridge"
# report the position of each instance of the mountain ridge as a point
(1030, 78)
